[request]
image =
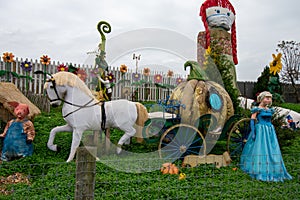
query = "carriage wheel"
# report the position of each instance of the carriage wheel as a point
(181, 140)
(228, 126)
(237, 137)
(153, 129)
(205, 122)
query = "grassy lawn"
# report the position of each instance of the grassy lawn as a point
(291, 106)
(50, 177)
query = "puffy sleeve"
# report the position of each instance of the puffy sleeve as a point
(6, 128)
(254, 110)
(29, 130)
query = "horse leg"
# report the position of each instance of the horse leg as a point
(129, 132)
(76, 138)
(66, 128)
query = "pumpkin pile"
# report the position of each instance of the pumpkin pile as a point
(169, 168)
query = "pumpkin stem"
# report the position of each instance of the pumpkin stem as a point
(195, 72)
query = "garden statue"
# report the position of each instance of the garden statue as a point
(274, 85)
(18, 134)
(218, 17)
(85, 112)
(107, 85)
(103, 89)
(261, 157)
(290, 122)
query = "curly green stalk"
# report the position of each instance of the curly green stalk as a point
(103, 27)
(195, 72)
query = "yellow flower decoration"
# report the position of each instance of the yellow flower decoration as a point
(45, 60)
(276, 65)
(8, 57)
(208, 51)
(182, 176)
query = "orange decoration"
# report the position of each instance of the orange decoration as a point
(8, 57)
(45, 60)
(170, 73)
(169, 168)
(146, 71)
(123, 69)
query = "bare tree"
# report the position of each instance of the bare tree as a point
(290, 73)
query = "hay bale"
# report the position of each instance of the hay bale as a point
(9, 92)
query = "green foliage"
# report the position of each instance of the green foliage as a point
(268, 82)
(52, 178)
(285, 136)
(224, 66)
(262, 82)
(291, 106)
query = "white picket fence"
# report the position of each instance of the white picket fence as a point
(36, 85)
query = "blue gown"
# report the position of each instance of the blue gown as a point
(261, 157)
(14, 143)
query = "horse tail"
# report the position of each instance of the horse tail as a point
(142, 114)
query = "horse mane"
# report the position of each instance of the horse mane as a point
(72, 80)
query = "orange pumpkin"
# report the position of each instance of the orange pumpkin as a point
(169, 168)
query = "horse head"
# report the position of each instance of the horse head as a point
(54, 92)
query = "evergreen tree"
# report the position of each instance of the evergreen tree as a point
(262, 82)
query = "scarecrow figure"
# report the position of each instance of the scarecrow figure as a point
(18, 134)
(218, 17)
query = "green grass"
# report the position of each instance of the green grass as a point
(52, 178)
(291, 106)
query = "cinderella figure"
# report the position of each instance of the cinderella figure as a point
(261, 157)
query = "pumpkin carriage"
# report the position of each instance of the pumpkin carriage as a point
(191, 121)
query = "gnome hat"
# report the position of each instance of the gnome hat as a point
(223, 4)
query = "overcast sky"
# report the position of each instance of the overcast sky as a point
(164, 32)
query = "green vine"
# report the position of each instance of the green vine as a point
(215, 58)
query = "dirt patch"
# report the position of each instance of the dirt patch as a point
(15, 178)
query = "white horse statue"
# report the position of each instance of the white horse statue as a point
(83, 112)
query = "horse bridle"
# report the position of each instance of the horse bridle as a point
(58, 98)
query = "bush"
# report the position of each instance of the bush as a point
(286, 136)
(291, 106)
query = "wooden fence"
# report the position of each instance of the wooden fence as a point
(288, 94)
(122, 89)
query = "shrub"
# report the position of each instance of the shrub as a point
(291, 106)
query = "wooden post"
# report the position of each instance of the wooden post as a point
(85, 173)
(107, 140)
(97, 134)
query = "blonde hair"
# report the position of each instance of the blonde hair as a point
(70, 79)
(262, 95)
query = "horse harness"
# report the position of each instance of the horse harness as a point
(86, 105)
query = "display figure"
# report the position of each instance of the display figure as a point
(218, 17)
(18, 134)
(261, 157)
(107, 85)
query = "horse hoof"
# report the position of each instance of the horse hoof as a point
(58, 149)
(119, 150)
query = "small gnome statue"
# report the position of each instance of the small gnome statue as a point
(18, 134)
(218, 17)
